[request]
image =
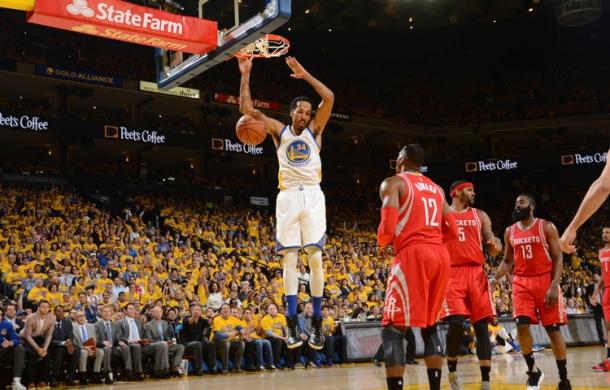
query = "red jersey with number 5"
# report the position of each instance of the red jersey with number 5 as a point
(468, 248)
(531, 250)
(420, 212)
(604, 263)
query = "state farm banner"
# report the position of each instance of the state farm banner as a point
(127, 22)
(232, 99)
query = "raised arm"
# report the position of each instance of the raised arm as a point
(595, 197)
(493, 243)
(274, 127)
(509, 258)
(328, 97)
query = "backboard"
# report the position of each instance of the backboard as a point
(240, 22)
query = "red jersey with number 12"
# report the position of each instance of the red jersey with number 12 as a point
(531, 250)
(420, 212)
(604, 263)
(468, 248)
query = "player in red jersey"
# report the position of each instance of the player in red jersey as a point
(532, 249)
(412, 220)
(604, 263)
(595, 197)
(468, 294)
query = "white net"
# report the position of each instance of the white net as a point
(266, 47)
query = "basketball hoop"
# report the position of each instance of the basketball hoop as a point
(270, 45)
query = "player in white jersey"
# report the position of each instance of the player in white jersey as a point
(300, 207)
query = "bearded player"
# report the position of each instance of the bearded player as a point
(604, 263)
(532, 250)
(468, 293)
(300, 207)
(595, 197)
(412, 219)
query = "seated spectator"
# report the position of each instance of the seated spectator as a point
(63, 349)
(274, 329)
(11, 351)
(255, 343)
(85, 339)
(195, 336)
(108, 339)
(38, 333)
(161, 335)
(226, 334)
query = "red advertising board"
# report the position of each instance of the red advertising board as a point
(232, 99)
(127, 22)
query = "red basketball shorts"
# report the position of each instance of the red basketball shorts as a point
(529, 294)
(416, 286)
(468, 294)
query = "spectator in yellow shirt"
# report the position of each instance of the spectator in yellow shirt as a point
(332, 288)
(227, 337)
(273, 327)
(328, 329)
(302, 295)
(54, 297)
(255, 343)
(38, 292)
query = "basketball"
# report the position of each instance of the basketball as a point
(250, 130)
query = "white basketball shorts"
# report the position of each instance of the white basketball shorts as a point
(300, 214)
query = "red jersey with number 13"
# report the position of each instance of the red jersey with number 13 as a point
(468, 248)
(420, 212)
(604, 263)
(531, 250)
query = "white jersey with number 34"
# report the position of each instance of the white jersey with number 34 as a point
(299, 160)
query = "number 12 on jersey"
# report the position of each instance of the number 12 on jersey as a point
(431, 209)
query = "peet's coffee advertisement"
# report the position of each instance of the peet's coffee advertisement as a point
(28, 122)
(585, 159)
(122, 133)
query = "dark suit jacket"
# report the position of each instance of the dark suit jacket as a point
(152, 332)
(123, 330)
(100, 333)
(66, 332)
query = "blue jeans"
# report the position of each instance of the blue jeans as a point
(262, 346)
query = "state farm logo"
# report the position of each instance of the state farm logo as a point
(123, 14)
(79, 7)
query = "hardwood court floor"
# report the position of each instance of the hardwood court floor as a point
(508, 373)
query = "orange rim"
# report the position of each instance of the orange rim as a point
(271, 45)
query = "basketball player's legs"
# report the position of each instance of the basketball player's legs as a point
(482, 310)
(552, 317)
(395, 316)
(313, 230)
(455, 310)
(524, 301)
(605, 365)
(435, 263)
(288, 209)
